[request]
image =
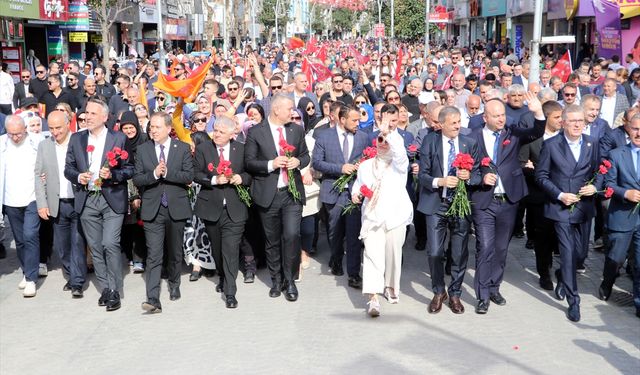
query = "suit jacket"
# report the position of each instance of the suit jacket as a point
(48, 191)
(19, 95)
(508, 164)
(621, 104)
(477, 121)
(308, 94)
(622, 176)
(114, 189)
(179, 176)
(432, 161)
(328, 159)
(531, 152)
(260, 148)
(611, 140)
(209, 205)
(558, 172)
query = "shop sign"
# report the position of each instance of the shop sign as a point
(96, 38)
(54, 10)
(494, 8)
(78, 37)
(20, 8)
(54, 41)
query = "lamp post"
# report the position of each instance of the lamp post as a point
(426, 30)
(161, 61)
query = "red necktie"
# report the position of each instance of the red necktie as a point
(221, 154)
(283, 171)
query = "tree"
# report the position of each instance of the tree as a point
(107, 12)
(268, 19)
(318, 19)
(343, 20)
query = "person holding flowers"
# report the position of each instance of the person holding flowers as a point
(568, 162)
(439, 181)
(337, 155)
(495, 201)
(623, 186)
(219, 169)
(386, 211)
(274, 153)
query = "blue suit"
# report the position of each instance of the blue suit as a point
(611, 140)
(329, 159)
(558, 172)
(624, 224)
(477, 121)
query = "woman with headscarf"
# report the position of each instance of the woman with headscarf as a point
(366, 116)
(132, 238)
(309, 113)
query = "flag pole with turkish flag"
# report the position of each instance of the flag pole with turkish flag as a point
(563, 68)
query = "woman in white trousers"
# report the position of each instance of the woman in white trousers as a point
(385, 216)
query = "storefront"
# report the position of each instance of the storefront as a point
(494, 11)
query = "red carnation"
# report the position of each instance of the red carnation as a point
(113, 162)
(210, 167)
(90, 148)
(111, 155)
(374, 143)
(506, 142)
(369, 153)
(603, 169)
(463, 161)
(117, 150)
(608, 193)
(606, 163)
(412, 148)
(124, 155)
(228, 172)
(486, 162)
(285, 147)
(224, 164)
(366, 192)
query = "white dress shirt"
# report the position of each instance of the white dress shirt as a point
(225, 153)
(607, 111)
(489, 144)
(95, 157)
(575, 147)
(66, 192)
(166, 145)
(445, 160)
(276, 140)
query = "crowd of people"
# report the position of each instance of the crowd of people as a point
(274, 147)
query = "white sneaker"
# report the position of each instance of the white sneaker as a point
(23, 283)
(42, 270)
(374, 308)
(29, 289)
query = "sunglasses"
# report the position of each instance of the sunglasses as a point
(232, 89)
(276, 87)
(39, 71)
(200, 119)
(160, 98)
(50, 82)
(310, 109)
(340, 81)
(569, 94)
(81, 119)
(296, 118)
(23, 77)
(382, 139)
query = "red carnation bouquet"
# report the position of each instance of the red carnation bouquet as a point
(603, 169)
(113, 158)
(224, 169)
(460, 206)
(365, 193)
(288, 149)
(343, 181)
(412, 150)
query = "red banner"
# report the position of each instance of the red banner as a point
(562, 68)
(54, 10)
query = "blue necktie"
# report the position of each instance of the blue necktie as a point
(496, 147)
(163, 198)
(451, 157)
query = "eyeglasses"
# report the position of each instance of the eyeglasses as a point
(276, 87)
(39, 71)
(232, 89)
(199, 119)
(141, 109)
(160, 98)
(569, 94)
(24, 77)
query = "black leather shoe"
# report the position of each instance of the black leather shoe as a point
(546, 283)
(573, 313)
(249, 277)
(195, 275)
(604, 293)
(336, 269)
(113, 303)
(102, 301)
(355, 282)
(76, 292)
(174, 293)
(518, 234)
(529, 245)
(274, 292)
(482, 307)
(421, 245)
(220, 286)
(3, 251)
(231, 302)
(152, 306)
(66, 287)
(290, 291)
(559, 291)
(498, 299)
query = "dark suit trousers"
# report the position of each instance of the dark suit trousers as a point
(437, 226)
(46, 240)
(225, 236)
(163, 234)
(419, 220)
(570, 244)
(623, 244)
(69, 243)
(494, 226)
(341, 227)
(281, 223)
(24, 223)
(545, 240)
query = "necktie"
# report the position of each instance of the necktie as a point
(451, 157)
(221, 154)
(163, 198)
(637, 150)
(345, 148)
(283, 171)
(496, 147)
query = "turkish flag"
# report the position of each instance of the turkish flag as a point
(399, 65)
(358, 56)
(306, 69)
(562, 69)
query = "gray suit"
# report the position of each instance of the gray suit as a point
(68, 239)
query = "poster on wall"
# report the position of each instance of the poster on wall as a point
(608, 26)
(54, 10)
(54, 41)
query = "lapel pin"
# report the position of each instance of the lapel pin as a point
(588, 144)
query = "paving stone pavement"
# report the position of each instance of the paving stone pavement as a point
(325, 332)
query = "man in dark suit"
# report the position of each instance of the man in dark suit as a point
(619, 136)
(540, 229)
(101, 197)
(219, 205)
(624, 219)
(496, 199)
(438, 180)
(567, 162)
(336, 152)
(163, 173)
(271, 191)
(21, 91)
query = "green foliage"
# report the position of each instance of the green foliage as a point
(343, 19)
(318, 22)
(267, 15)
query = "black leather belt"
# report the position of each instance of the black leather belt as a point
(284, 188)
(66, 200)
(500, 196)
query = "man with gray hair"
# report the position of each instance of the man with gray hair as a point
(461, 94)
(515, 102)
(18, 151)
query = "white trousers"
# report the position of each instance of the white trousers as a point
(382, 260)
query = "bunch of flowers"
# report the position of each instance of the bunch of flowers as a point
(365, 193)
(224, 169)
(603, 169)
(460, 205)
(343, 181)
(113, 157)
(288, 150)
(412, 150)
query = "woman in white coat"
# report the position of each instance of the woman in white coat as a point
(386, 211)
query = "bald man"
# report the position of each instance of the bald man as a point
(457, 83)
(55, 199)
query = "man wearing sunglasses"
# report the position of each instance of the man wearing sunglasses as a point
(73, 89)
(38, 85)
(337, 91)
(103, 87)
(300, 90)
(56, 95)
(21, 91)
